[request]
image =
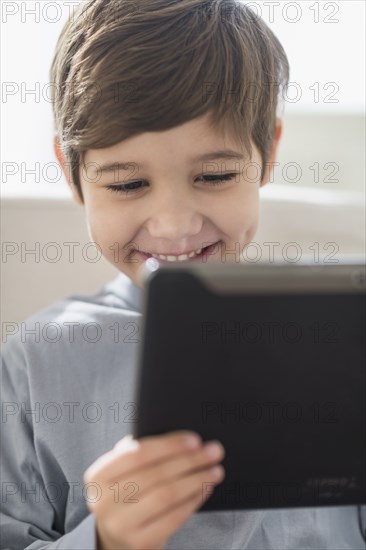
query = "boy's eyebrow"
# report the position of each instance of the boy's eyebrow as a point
(214, 155)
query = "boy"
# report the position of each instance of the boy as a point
(194, 137)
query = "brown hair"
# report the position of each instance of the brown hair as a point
(122, 68)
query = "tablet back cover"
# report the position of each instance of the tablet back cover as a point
(278, 377)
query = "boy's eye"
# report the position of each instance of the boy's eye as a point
(217, 180)
(126, 188)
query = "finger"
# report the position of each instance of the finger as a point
(164, 472)
(136, 454)
(156, 503)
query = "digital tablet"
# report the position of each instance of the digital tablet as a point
(270, 360)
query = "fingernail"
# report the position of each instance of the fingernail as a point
(192, 441)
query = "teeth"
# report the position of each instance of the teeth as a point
(180, 258)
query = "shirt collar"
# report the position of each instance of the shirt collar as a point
(127, 293)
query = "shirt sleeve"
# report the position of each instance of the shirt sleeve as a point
(362, 521)
(28, 522)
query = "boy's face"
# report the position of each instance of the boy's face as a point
(171, 208)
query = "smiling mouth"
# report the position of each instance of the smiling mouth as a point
(194, 255)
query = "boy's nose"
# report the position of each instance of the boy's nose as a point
(175, 221)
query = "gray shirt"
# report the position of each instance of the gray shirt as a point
(68, 376)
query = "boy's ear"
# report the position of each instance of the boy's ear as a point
(273, 153)
(67, 173)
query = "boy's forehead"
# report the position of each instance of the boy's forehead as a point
(192, 141)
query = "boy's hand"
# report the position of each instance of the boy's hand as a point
(148, 488)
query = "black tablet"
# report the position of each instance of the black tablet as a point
(270, 360)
